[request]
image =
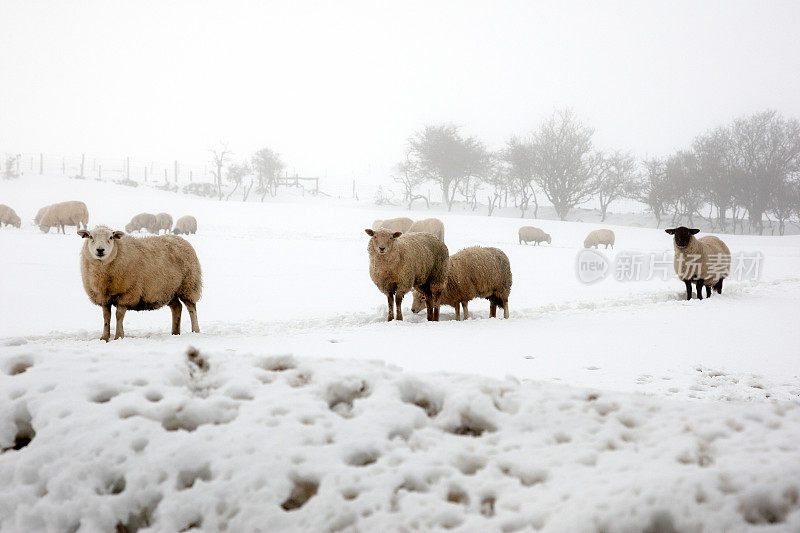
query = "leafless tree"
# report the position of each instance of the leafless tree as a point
(615, 175)
(409, 177)
(219, 158)
(237, 174)
(267, 166)
(519, 157)
(651, 187)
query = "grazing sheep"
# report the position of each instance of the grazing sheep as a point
(185, 225)
(163, 221)
(139, 274)
(706, 261)
(393, 224)
(474, 272)
(598, 237)
(530, 234)
(142, 221)
(399, 262)
(434, 226)
(9, 217)
(40, 214)
(62, 214)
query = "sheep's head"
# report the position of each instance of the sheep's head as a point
(549, 240)
(101, 243)
(683, 235)
(382, 240)
(15, 221)
(419, 302)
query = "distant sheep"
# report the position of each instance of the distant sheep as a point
(706, 261)
(163, 221)
(139, 274)
(9, 217)
(142, 221)
(530, 234)
(393, 224)
(40, 214)
(185, 225)
(598, 237)
(73, 213)
(399, 262)
(474, 272)
(434, 226)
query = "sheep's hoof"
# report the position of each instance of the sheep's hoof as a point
(105, 338)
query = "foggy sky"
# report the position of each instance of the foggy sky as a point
(338, 86)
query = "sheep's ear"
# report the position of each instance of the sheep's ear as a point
(694, 231)
(118, 234)
(83, 233)
(671, 231)
(396, 234)
(370, 232)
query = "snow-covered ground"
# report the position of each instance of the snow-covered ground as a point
(612, 406)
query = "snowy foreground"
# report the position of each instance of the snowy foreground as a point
(613, 406)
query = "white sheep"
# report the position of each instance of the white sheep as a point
(598, 237)
(528, 234)
(434, 226)
(393, 224)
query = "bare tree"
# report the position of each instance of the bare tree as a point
(651, 188)
(237, 173)
(615, 174)
(564, 161)
(408, 176)
(685, 193)
(267, 166)
(716, 171)
(786, 202)
(519, 157)
(219, 157)
(496, 178)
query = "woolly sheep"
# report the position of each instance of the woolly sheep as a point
(393, 224)
(185, 225)
(399, 262)
(139, 274)
(142, 221)
(706, 261)
(9, 217)
(474, 272)
(434, 226)
(530, 234)
(40, 214)
(163, 221)
(73, 213)
(598, 237)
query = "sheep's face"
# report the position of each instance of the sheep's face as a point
(683, 235)
(382, 241)
(100, 243)
(419, 302)
(549, 240)
(16, 222)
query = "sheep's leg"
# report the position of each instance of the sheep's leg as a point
(718, 286)
(429, 306)
(390, 297)
(437, 304)
(708, 291)
(175, 307)
(192, 308)
(120, 331)
(398, 300)
(505, 307)
(699, 286)
(492, 309)
(466, 309)
(458, 310)
(688, 289)
(106, 323)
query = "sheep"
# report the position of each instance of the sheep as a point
(139, 274)
(530, 234)
(434, 226)
(393, 224)
(163, 221)
(706, 261)
(598, 237)
(9, 217)
(142, 221)
(185, 225)
(39, 215)
(475, 272)
(399, 262)
(73, 213)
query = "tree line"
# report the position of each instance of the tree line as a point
(737, 174)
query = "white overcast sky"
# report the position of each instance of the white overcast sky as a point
(337, 86)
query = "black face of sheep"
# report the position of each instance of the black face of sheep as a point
(682, 235)
(382, 242)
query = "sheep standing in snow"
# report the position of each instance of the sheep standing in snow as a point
(139, 274)
(399, 262)
(142, 221)
(163, 221)
(530, 234)
(598, 237)
(9, 217)
(434, 226)
(39, 214)
(475, 272)
(73, 213)
(706, 261)
(393, 224)
(185, 225)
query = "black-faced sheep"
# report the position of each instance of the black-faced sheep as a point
(185, 225)
(9, 217)
(393, 224)
(163, 221)
(434, 226)
(535, 235)
(139, 274)
(598, 237)
(705, 261)
(142, 221)
(474, 272)
(399, 262)
(73, 213)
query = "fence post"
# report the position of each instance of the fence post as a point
(31, 163)
(41, 163)
(145, 174)
(63, 166)
(176, 171)
(127, 168)
(190, 176)
(83, 159)
(100, 171)
(165, 176)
